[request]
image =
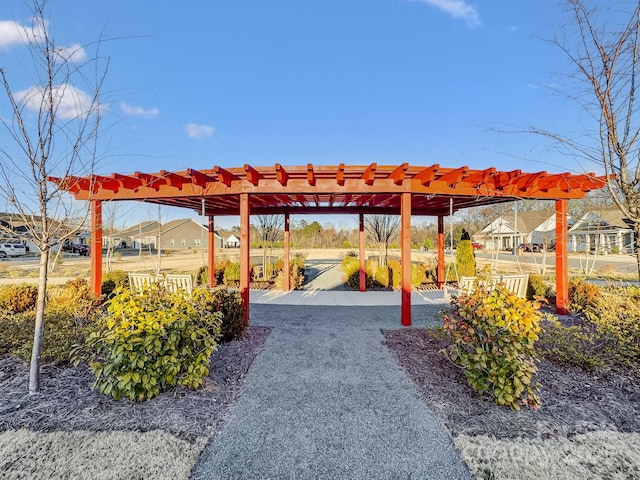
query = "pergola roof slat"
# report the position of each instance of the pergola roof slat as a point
(312, 188)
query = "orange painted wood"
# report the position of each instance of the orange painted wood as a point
(405, 257)
(287, 246)
(441, 273)
(244, 253)
(211, 257)
(253, 175)
(369, 174)
(281, 175)
(362, 253)
(399, 173)
(311, 176)
(96, 247)
(562, 258)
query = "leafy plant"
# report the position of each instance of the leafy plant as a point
(493, 333)
(465, 259)
(154, 340)
(582, 295)
(113, 280)
(537, 287)
(18, 298)
(231, 273)
(232, 312)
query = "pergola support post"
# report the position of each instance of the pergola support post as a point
(287, 250)
(362, 253)
(405, 252)
(562, 261)
(245, 249)
(440, 273)
(211, 257)
(96, 247)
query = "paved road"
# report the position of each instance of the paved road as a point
(325, 399)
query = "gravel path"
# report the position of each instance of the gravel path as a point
(326, 399)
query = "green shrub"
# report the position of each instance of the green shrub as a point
(582, 295)
(381, 276)
(232, 312)
(154, 340)
(537, 287)
(396, 273)
(113, 280)
(465, 259)
(493, 333)
(231, 273)
(279, 265)
(18, 298)
(605, 336)
(351, 268)
(16, 333)
(418, 275)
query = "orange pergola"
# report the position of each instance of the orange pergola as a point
(403, 190)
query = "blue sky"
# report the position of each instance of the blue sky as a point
(209, 82)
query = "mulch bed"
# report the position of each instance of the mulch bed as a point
(66, 401)
(573, 401)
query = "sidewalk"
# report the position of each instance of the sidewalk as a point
(326, 400)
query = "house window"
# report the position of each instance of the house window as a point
(183, 242)
(196, 242)
(172, 242)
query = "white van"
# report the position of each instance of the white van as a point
(12, 249)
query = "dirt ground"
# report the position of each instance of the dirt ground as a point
(67, 402)
(573, 402)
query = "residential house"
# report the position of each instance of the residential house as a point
(144, 235)
(174, 235)
(603, 230)
(507, 232)
(232, 242)
(186, 233)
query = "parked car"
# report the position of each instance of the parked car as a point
(531, 247)
(12, 249)
(477, 246)
(76, 248)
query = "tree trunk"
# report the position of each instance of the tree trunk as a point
(34, 373)
(636, 231)
(382, 260)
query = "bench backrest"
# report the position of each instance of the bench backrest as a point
(172, 282)
(514, 283)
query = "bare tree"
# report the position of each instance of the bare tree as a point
(381, 229)
(270, 228)
(605, 56)
(52, 127)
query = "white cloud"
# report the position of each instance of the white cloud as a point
(197, 131)
(73, 53)
(458, 9)
(133, 111)
(12, 33)
(69, 102)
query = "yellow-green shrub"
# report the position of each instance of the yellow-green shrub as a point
(604, 337)
(396, 273)
(18, 298)
(112, 280)
(154, 340)
(231, 273)
(418, 275)
(465, 259)
(232, 313)
(351, 268)
(537, 287)
(582, 295)
(493, 333)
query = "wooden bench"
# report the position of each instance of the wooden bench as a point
(514, 283)
(172, 282)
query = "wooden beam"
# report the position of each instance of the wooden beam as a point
(173, 179)
(370, 173)
(340, 175)
(399, 173)
(405, 258)
(440, 274)
(199, 178)
(287, 246)
(361, 256)
(454, 176)
(149, 180)
(245, 244)
(253, 175)
(281, 175)
(311, 176)
(225, 176)
(562, 262)
(96, 247)
(211, 257)
(427, 175)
